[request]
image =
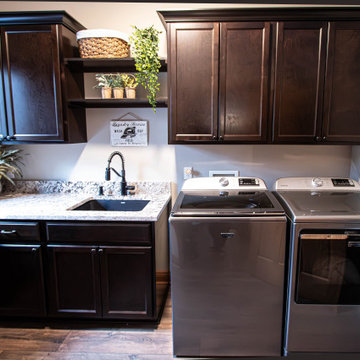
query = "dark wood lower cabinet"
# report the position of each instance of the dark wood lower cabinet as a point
(73, 281)
(107, 270)
(126, 282)
(111, 282)
(21, 280)
(84, 270)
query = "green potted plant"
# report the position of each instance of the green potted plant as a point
(130, 84)
(104, 82)
(145, 48)
(9, 164)
(118, 86)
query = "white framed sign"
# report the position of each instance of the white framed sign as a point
(129, 132)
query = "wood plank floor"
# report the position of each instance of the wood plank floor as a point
(128, 343)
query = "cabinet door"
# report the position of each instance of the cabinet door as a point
(299, 76)
(193, 89)
(21, 281)
(244, 74)
(126, 282)
(73, 281)
(342, 100)
(31, 69)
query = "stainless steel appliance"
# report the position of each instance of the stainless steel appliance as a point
(323, 292)
(227, 239)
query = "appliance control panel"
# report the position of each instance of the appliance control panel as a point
(342, 182)
(317, 183)
(248, 181)
(224, 183)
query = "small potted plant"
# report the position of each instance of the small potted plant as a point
(104, 82)
(118, 86)
(9, 164)
(130, 84)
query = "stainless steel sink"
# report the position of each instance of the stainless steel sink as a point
(113, 205)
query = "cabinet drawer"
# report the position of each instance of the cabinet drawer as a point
(19, 231)
(104, 233)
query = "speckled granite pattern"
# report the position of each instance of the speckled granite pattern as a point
(85, 187)
(53, 200)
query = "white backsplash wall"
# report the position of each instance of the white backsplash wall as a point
(268, 162)
(355, 163)
(160, 161)
(88, 161)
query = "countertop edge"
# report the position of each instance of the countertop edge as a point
(87, 215)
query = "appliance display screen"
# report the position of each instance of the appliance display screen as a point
(341, 182)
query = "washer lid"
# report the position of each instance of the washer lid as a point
(321, 205)
(226, 203)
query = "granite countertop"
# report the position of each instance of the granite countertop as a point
(54, 201)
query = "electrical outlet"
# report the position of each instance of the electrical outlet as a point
(188, 172)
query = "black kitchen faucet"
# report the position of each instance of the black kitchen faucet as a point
(123, 186)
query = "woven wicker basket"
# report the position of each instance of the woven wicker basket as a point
(102, 44)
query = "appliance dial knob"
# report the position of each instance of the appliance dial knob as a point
(317, 182)
(224, 182)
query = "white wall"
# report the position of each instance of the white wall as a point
(355, 163)
(160, 161)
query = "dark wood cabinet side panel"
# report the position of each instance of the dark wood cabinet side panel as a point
(32, 82)
(194, 81)
(3, 122)
(299, 75)
(126, 282)
(73, 281)
(72, 87)
(342, 100)
(21, 281)
(244, 74)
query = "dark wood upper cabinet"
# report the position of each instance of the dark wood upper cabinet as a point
(285, 76)
(219, 82)
(244, 81)
(32, 82)
(299, 74)
(342, 100)
(36, 85)
(193, 57)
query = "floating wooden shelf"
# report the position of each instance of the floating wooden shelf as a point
(115, 103)
(106, 65)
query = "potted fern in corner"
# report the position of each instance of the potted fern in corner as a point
(9, 164)
(145, 48)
